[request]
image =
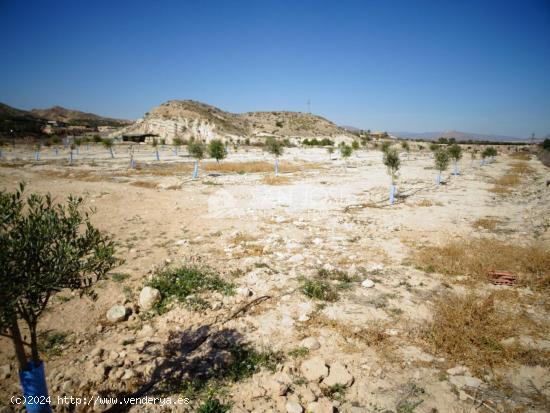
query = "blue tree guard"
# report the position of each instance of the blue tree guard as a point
(392, 194)
(111, 152)
(456, 169)
(35, 390)
(196, 170)
(37, 155)
(438, 179)
(71, 157)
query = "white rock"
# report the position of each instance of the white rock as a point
(296, 258)
(338, 375)
(293, 407)
(310, 343)
(320, 406)
(314, 369)
(463, 381)
(5, 371)
(368, 283)
(146, 331)
(148, 297)
(244, 291)
(116, 313)
(458, 370)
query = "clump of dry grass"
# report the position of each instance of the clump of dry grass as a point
(275, 180)
(424, 203)
(144, 184)
(257, 167)
(468, 329)
(241, 238)
(373, 335)
(521, 156)
(475, 257)
(489, 224)
(512, 178)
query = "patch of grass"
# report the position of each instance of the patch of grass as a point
(298, 352)
(119, 276)
(275, 180)
(241, 238)
(475, 257)
(468, 329)
(318, 289)
(211, 405)
(179, 283)
(488, 223)
(335, 392)
(257, 166)
(521, 156)
(144, 184)
(51, 343)
(512, 178)
(425, 203)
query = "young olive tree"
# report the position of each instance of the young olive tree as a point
(216, 150)
(37, 151)
(330, 151)
(155, 144)
(345, 152)
(274, 147)
(177, 142)
(441, 159)
(455, 152)
(44, 247)
(196, 150)
(108, 144)
(392, 162)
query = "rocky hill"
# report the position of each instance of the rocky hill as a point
(76, 117)
(187, 118)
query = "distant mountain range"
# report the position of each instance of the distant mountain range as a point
(459, 136)
(31, 123)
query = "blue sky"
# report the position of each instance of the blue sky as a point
(480, 66)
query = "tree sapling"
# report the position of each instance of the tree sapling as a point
(392, 162)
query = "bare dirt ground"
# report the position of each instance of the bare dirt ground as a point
(374, 346)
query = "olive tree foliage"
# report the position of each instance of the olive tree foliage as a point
(274, 147)
(441, 159)
(45, 247)
(392, 162)
(216, 150)
(345, 151)
(455, 152)
(196, 150)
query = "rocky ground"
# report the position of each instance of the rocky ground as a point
(269, 346)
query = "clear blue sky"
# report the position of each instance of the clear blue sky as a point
(480, 66)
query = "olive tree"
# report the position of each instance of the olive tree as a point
(196, 150)
(44, 247)
(108, 144)
(155, 144)
(455, 152)
(274, 147)
(345, 152)
(330, 151)
(216, 150)
(392, 162)
(441, 159)
(177, 142)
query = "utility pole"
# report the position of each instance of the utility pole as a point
(308, 106)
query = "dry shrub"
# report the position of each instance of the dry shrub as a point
(475, 257)
(275, 180)
(87, 176)
(144, 184)
(468, 329)
(487, 223)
